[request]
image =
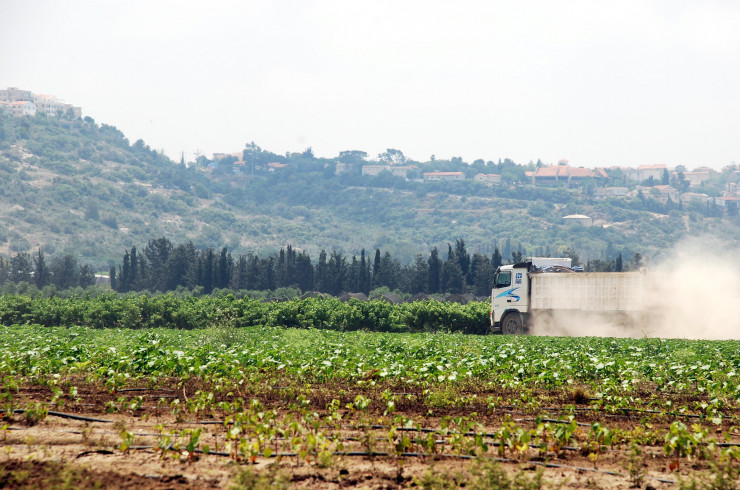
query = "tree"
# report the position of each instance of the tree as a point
(435, 272)
(364, 280)
(64, 272)
(389, 273)
(239, 279)
(133, 283)
(157, 253)
(223, 271)
(420, 282)
(352, 283)
(41, 274)
(574, 261)
(304, 272)
(182, 267)
(21, 268)
(376, 270)
(462, 258)
(482, 275)
(392, 157)
(336, 273)
(206, 279)
(496, 259)
(322, 273)
(452, 277)
(124, 274)
(506, 252)
(352, 156)
(618, 263)
(85, 276)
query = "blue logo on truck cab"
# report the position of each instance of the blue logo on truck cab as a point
(509, 293)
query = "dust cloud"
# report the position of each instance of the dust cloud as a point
(691, 292)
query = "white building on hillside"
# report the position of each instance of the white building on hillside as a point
(432, 176)
(47, 104)
(397, 170)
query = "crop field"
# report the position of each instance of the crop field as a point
(229, 406)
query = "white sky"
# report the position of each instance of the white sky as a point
(594, 82)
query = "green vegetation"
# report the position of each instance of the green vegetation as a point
(72, 186)
(225, 312)
(316, 397)
(614, 371)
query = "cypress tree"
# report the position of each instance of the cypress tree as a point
(125, 274)
(496, 259)
(133, 271)
(376, 270)
(364, 285)
(41, 276)
(435, 272)
(112, 274)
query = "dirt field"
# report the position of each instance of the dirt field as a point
(135, 439)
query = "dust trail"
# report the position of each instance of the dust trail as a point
(693, 292)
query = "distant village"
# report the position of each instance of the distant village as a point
(678, 184)
(25, 103)
(658, 182)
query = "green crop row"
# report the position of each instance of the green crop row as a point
(617, 373)
(169, 311)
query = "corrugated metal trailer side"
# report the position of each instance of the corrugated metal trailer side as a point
(588, 291)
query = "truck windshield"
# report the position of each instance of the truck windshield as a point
(503, 279)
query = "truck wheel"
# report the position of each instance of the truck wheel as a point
(511, 324)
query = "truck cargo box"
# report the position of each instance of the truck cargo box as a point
(592, 291)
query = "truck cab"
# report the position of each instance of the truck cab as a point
(510, 297)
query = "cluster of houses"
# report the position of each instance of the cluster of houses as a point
(564, 174)
(650, 179)
(25, 103)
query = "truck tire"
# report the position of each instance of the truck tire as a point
(511, 324)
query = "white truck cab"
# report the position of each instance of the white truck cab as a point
(510, 296)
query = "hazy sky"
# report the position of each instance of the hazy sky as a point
(593, 82)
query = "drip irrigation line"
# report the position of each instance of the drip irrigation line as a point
(593, 409)
(423, 455)
(64, 416)
(554, 421)
(125, 390)
(95, 451)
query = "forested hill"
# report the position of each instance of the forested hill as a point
(73, 186)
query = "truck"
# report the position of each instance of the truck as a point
(543, 292)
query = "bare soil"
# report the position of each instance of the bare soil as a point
(65, 452)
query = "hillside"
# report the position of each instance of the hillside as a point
(75, 186)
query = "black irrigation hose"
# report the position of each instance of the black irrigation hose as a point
(423, 455)
(124, 390)
(554, 421)
(594, 409)
(64, 416)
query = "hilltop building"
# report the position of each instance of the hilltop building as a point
(397, 170)
(25, 103)
(604, 192)
(645, 172)
(564, 173)
(434, 176)
(488, 178)
(580, 219)
(694, 178)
